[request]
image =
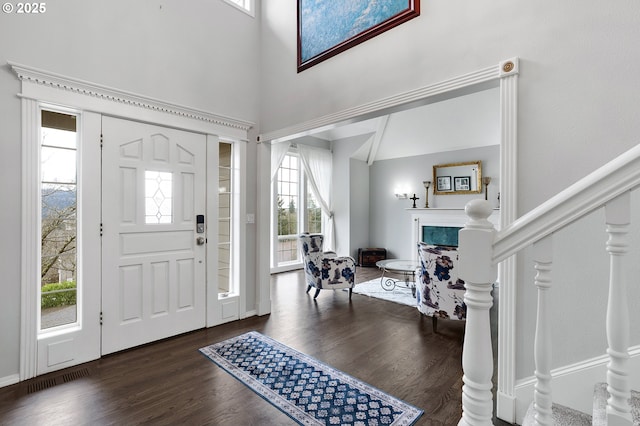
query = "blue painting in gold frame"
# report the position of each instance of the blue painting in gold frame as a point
(328, 27)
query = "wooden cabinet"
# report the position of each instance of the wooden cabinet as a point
(369, 256)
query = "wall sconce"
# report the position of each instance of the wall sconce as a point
(401, 192)
(486, 181)
(426, 184)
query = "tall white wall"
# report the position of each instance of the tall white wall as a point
(360, 207)
(201, 54)
(578, 88)
(578, 83)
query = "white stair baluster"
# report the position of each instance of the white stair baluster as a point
(543, 258)
(479, 273)
(618, 213)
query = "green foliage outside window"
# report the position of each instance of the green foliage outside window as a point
(314, 216)
(52, 296)
(287, 218)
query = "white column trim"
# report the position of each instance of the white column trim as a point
(507, 270)
(30, 240)
(263, 231)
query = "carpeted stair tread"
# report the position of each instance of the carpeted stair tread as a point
(600, 396)
(562, 416)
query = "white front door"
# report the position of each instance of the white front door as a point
(153, 276)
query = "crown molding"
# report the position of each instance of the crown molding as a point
(36, 76)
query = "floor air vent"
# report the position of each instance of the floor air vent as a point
(50, 381)
(73, 375)
(39, 385)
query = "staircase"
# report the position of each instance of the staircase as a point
(600, 396)
(482, 248)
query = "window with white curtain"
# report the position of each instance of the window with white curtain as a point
(295, 210)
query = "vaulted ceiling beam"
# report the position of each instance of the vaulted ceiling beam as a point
(377, 138)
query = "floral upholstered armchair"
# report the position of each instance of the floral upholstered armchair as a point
(440, 293)
(325, 270)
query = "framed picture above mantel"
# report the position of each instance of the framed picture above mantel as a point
(458, 178)
(328, 27)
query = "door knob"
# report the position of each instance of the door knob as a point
(200, 241)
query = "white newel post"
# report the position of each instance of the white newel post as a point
(618, 219)
(479, 273)
(542, 398)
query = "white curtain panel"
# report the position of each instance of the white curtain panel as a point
(278, 151)
(317, 165)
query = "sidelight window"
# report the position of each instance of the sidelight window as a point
(58, 219)
(225, 218)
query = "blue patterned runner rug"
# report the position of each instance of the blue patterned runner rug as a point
(308, 391)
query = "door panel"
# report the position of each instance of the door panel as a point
(153, 283)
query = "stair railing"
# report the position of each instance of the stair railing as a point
(482, 248)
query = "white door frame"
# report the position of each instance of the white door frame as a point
(39, 86)
(233, 306)
(503, 75)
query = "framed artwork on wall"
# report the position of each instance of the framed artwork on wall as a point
(462, 183)
(467, 178)
(326, 28)
(443, 183)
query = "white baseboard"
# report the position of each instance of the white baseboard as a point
(249, 314)
(9, 380)
(572, 385)
(264, 307)
(506, 407)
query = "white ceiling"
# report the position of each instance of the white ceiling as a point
(468, 121)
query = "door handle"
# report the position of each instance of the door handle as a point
(200, 241)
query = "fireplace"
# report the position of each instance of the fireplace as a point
(440, 235)
(440, 226)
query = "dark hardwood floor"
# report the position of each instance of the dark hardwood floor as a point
(387, 345)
